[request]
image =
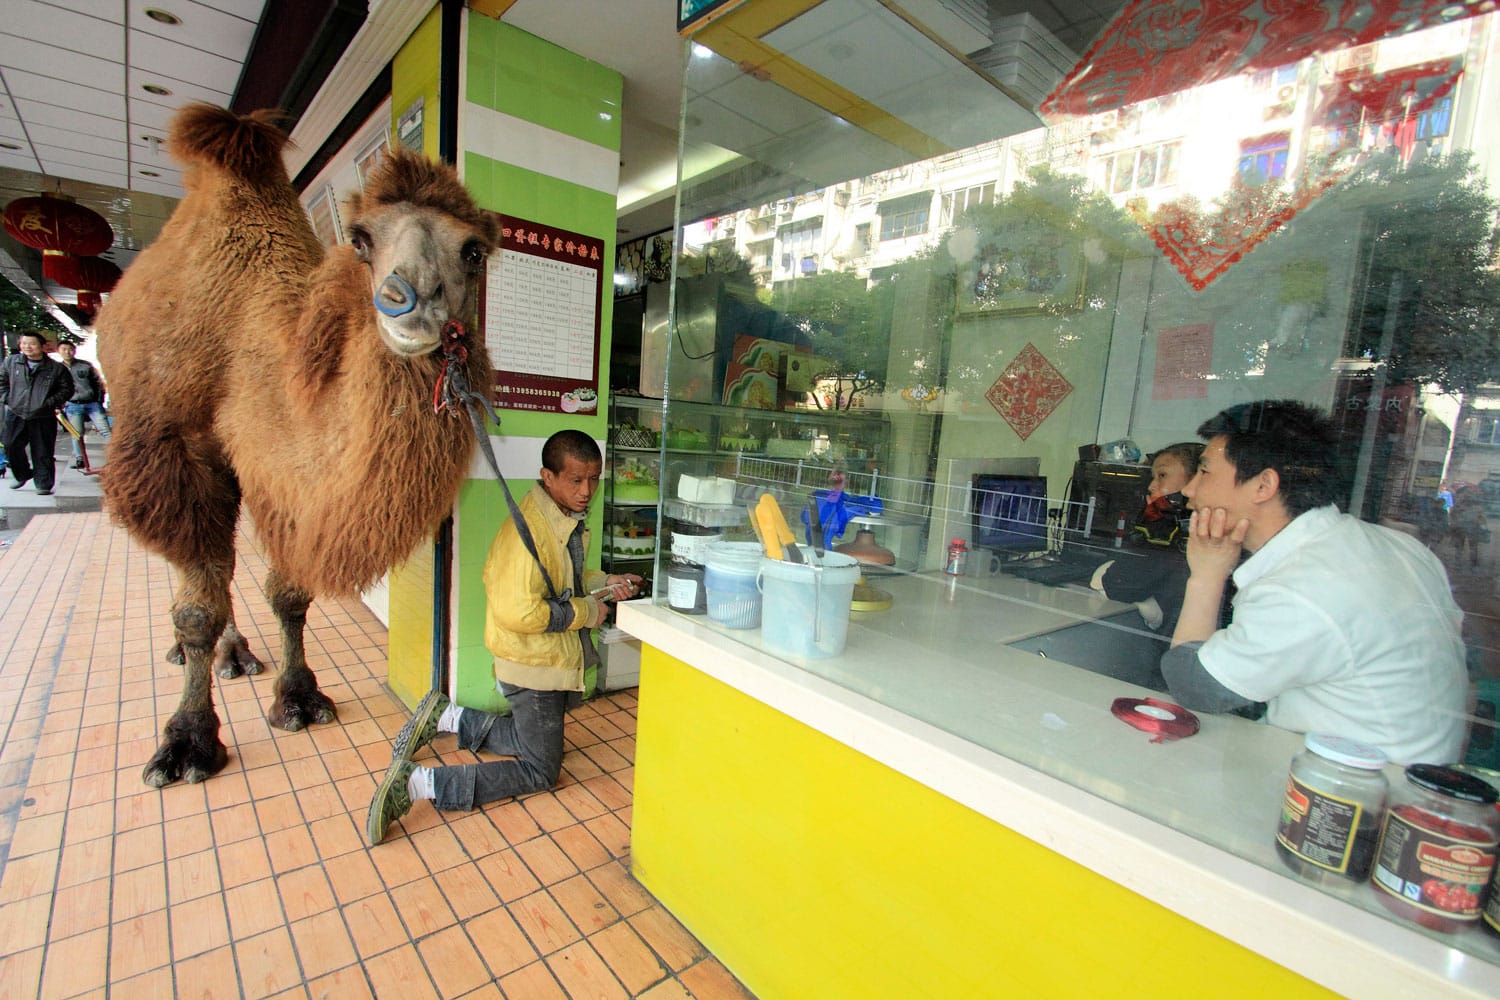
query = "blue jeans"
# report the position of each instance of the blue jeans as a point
(78, 415)
(532, 734)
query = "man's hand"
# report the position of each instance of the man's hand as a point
(620, 587)
(1213, 551)
(1214, 546)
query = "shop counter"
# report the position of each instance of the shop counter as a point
(956, 817)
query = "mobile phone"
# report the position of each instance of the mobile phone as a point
(602, 591)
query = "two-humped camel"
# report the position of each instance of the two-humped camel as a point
(249, 366)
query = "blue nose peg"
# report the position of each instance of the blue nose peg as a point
(401, 289)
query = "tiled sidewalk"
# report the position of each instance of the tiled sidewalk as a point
(258, 882)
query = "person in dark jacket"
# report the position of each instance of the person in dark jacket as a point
(33, 386)
(87, 403)
(1152, 572)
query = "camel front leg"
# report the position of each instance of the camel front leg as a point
(298, 702)
(190, 745)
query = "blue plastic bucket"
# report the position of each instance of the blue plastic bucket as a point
(806, 611)
(729, 583)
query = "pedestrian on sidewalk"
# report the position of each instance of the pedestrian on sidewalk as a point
(87, 403)
(33, 387)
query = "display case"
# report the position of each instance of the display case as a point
(631, 487)
(787, 452)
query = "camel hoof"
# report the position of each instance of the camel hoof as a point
(237, 660)
(184, 757)
(175, 655)
(294, 712)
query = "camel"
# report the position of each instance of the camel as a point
(250, 367)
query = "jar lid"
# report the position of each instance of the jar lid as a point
(1345, 751)
(1455, 784)
(1484, 774)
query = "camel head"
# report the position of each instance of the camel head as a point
(425, 242)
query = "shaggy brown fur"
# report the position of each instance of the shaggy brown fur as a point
(249, 366)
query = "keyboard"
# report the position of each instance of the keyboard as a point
(1066, 567)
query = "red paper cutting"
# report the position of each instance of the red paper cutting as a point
(1156, 47)
(1028, 391)
(1203, 245)
(1152, 48)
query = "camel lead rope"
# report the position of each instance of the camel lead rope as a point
(452, 393)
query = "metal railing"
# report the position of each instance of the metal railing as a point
(794, 480)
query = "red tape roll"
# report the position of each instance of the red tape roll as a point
(1163, 719)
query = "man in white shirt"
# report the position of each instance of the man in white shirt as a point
(1339, 625)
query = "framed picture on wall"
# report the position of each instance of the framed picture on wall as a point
(1021, 267)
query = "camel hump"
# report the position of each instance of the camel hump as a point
(245, 146)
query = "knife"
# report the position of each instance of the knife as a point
(778, 534)
(815, 529)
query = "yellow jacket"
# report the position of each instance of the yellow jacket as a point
(516, 611)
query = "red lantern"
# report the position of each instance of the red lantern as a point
(53, 225)
(91, 274)
(89, 302)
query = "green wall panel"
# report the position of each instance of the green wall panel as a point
(519, 74)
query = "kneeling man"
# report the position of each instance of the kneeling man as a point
(1339, 625)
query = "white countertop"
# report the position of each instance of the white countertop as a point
(929, 689)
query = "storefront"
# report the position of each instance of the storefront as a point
(983, 278)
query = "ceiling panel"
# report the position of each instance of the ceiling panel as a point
(247, 9)
(184, 62)
(202, 26)
(30, 22)
(49, 124)
(57, 157)
(35, 94)
(112, 11)
(65, 64)
(182, 91)
(149, 119)
(18, 159)
(92, 174)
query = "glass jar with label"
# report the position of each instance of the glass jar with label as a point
(1437, 847)
(1330, 819)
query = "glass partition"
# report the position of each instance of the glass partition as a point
(907, 306)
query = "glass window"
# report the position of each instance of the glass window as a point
(1096, 287)
(323, 211)
(903, 217)
(368, 158)
(955, 203)
(801, 242)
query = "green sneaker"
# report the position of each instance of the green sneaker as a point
(391, 800)
(421, 727)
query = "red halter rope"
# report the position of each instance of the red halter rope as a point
(451, 391)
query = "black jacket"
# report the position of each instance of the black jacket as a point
(88, 387)
(30, 394)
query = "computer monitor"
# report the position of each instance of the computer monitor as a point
(1009, 513)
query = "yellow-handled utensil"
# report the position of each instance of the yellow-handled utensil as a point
(777, 533)
(760, 535)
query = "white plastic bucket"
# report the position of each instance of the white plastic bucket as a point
(806, 609)
(729, 588)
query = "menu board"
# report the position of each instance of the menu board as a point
(541, 302)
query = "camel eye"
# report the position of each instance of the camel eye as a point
(359, 238)
(473, 255)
